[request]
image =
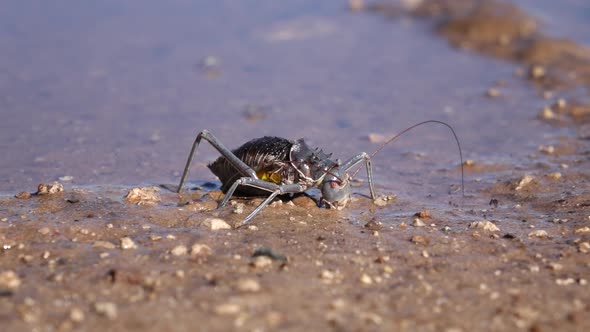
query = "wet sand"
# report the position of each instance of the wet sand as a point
(115, 103)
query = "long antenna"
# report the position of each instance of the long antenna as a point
(417, 125)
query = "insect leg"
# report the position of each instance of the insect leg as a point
(225, 152)
(350, 163)
(273, 188)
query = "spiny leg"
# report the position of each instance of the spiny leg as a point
(240, 166)
(273, 188)
(350, 163)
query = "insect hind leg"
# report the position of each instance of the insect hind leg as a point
(240, 166)
(273, 188)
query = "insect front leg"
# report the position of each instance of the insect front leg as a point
(273, 188)
(350, 163)
(225, 152)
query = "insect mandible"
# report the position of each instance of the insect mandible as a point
(276, 166)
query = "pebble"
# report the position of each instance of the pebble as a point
(418, 223)
(44, 231)
(356, 5)
(127, 243)
(106, 309)
(248, 285)
(366, 279)
(23, 195)
(423, 214)
(537, 72)
(538, 233)
(419, 239)
(523, 182)
(260, 262)
(143, 196)
(582, 230)
(384, 200)
(76, 315)
(104, 244)
(584, 247)
(238, 208)
(485, 225)
(179, 250)
(547, 114)
(201, 250)
(49, 189)
(216, 224)
(227, 309)
(554, 175)
(9, 280)
(376, 138)
(493, 93)
(547, 149)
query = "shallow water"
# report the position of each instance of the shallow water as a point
(114, 93)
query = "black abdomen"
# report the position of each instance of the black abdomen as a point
(265, 155)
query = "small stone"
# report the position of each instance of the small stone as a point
(103, 244)
(582, 230)
(44, 231)
(179, 250)
(23, 195)
(9, 280)
(523, 182)
(425, 254)
(384, 200)
(260, 262)
(556, 266)
(493, 93)
(76, 315)
(538, 233)
(216, 224)
(547, 149)
(143, 196)
(366, 279)
(227, 309)
(485, 225)
(537, 72)
(418, 223)
(356, 5)
(584, 247)
(127, 243)
(49, 189)
(547, 114)
(373, 225)
(66, 178)
(248, 285)
(376, 138)
(554, 176)
(106, 309)
(419, 239)
(469, 163)
(328, 276)
(238, 208)
(565, 281)
(423, 214)
(155, 237)
(199, 249)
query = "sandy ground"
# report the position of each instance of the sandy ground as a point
(512, 254)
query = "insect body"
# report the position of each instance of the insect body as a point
(276, 166)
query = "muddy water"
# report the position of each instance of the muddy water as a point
(113, 94)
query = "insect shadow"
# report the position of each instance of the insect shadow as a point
(273, 166)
